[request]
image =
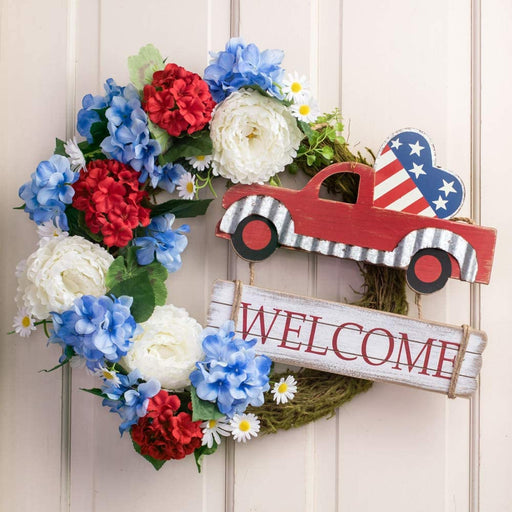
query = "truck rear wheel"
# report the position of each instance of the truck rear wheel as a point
(255, 238)
(429, 270)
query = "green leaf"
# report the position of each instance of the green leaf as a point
(160, 135)
(77, 226)
(199, 143)
(182, 208)
(143, 65)
(310, 159)
(95, 392)
(203, 410)
(306, 129)
(116, 272)
(157, 274)
(157, 464)
(327, 152)
(99, 132)
(138, 287)
(59, 148)
(200, 452)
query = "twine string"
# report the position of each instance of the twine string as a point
(458, 360)
(419, 305)
(237, 298)
(251, 273)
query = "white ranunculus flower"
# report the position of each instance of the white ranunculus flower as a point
(254, 137)
(167, 348)
(60, 271)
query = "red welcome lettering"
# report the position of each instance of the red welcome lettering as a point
(264, 333)
(312, 338)
(404, 344)
(335, 340)
(391, 342)
(442, 359)
(288, 329)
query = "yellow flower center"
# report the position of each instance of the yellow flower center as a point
(107, 375)
(25, 322)
(190, 187)
(296, 87)
(212, 424)
(200, 158)
(55, 233)
(283, 387)
(304, 110)
(244, 426)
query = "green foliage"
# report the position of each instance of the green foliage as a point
(59, 148)
(143, 65)
(68, 353)
(160, 135)
(157, 464)
(95, 392)
(200, 452)
(146, 284)
(181, 208)
(77, 225)
(199, 143)
(203, 410)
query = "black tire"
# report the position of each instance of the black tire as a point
(251, 254)
(420, 286)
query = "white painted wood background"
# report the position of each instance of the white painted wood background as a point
(442, 66)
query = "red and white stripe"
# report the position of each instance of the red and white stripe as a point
(395, 189)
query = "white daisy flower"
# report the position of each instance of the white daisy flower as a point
(109, 375)
(76, 157)
(306, 110)
(213, 429)
(285, 389)
(244, 426)
(49, 230)
(200, 162)
(186, 186)
(296, 87)
(23, 323)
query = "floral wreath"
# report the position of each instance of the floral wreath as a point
(96, 283)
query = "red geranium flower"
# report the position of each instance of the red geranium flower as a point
(178, 100)
(109, 194)
(164, 435)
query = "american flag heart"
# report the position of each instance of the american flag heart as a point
(407, 180)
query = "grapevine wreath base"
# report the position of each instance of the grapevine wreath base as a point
(104, 209)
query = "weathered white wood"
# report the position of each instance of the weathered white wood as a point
(496, 379)
(349, 340)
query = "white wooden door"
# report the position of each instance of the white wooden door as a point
(442, 66)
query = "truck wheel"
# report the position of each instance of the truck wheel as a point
(429, 270)
(255, 238)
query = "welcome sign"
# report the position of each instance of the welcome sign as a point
(350, 340)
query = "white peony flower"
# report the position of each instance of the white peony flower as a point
(254, 137)
(60, 271)
(167, 348)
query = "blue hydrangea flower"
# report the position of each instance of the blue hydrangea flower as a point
(129, 140)
(97, 328)
(129, 398)
(243, 65)
(165, 177)
(232, 375)
(87, 116)
(49, 191)
(162, 243)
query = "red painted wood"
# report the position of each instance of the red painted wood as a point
(362, 224)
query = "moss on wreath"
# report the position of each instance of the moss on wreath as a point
(319, 394)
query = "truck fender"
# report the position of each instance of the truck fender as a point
(433, 238)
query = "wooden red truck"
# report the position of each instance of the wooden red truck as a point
(259, 218)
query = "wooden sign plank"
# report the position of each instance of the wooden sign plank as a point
(349, 340)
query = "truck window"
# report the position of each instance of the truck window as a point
(342, 187)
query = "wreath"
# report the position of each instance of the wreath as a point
(106, 211)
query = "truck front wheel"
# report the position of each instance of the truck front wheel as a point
(255, 238)
(429, 270)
